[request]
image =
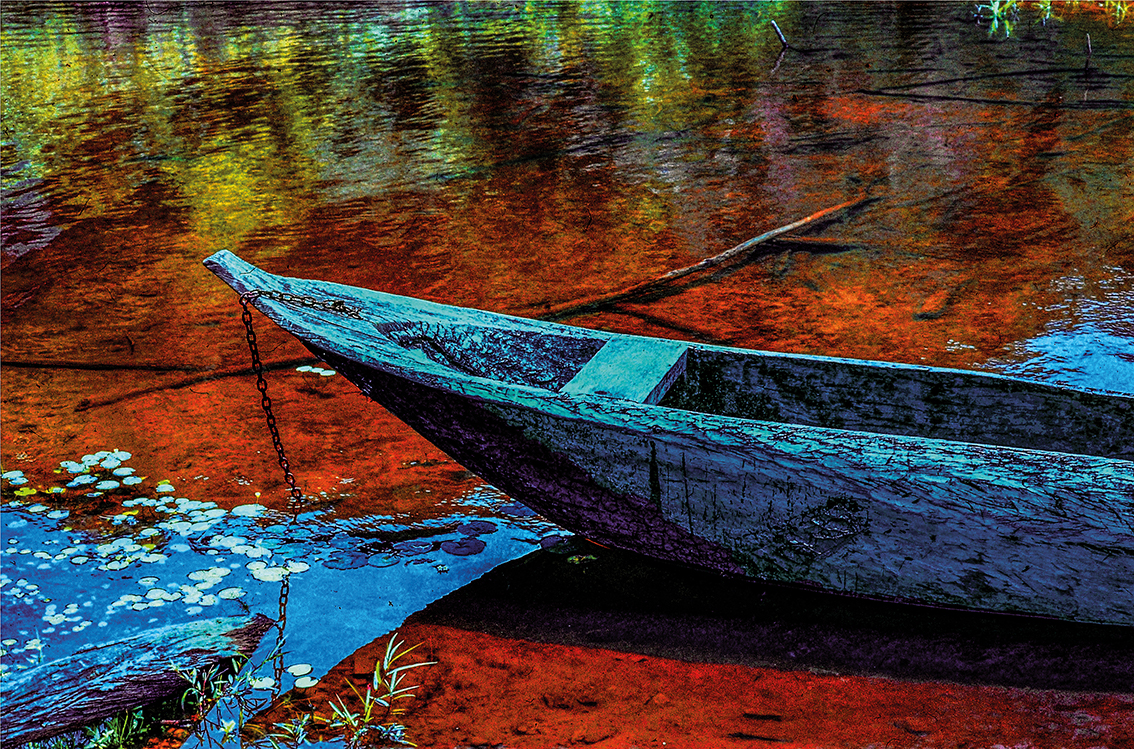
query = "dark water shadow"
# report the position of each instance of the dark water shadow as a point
(623, 602)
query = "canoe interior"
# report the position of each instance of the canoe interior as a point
(921, 402)
(517, 357)
(918, 402)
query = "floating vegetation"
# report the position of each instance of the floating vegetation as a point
(316, 370)
(108, 546)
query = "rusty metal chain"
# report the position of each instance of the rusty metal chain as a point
(336, 306)
(296, 495)
(281, 637)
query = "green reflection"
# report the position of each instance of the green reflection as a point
(251, 113)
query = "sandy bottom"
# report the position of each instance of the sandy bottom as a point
(578, 645)
(487, 691)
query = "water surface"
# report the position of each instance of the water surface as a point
(513, 158)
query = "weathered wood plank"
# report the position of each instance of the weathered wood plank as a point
(637, 369)
(104, 679)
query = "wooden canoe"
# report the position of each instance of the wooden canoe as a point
(924, 484)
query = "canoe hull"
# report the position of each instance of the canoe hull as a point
(784, 508)
(919, 513)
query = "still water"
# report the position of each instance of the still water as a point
(511, 157)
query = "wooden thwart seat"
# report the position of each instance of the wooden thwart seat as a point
(636, 369)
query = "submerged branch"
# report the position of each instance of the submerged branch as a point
(88, 403)
(660, 284)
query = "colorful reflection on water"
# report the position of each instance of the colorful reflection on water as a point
(507, 157)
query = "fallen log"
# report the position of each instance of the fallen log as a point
(101, 680)
(658, 284)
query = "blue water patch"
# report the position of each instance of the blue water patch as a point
(104, 557)
(1088, 357)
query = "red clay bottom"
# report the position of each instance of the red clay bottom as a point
(487, 691)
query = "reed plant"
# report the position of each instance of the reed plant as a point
(373, 723)
(1003, 15)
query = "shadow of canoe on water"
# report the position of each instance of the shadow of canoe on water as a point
(580, 594)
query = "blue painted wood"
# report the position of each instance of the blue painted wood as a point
(636, 369)
(888, 480)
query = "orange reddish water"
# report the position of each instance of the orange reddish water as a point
(514, 159)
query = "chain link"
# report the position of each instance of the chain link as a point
(336, 306)
(281, 636)
(296, 495)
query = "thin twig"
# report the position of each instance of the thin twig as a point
(89, 403)
(780, 34)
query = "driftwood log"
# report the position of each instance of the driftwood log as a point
(660, 284)
(104, 679)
